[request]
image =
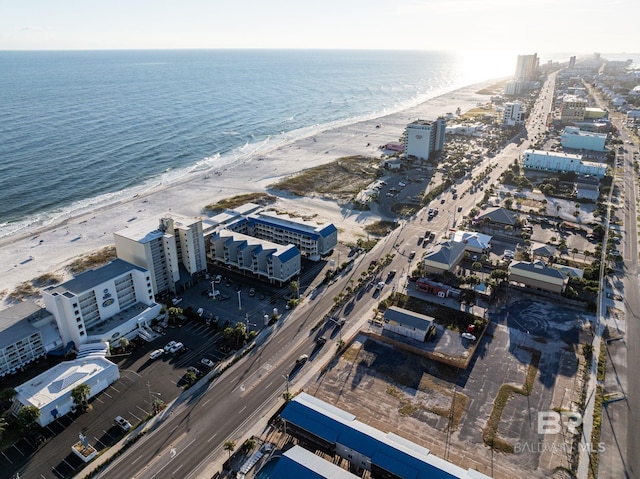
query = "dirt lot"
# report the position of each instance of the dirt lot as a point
(395, 391)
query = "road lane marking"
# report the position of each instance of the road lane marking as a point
(240, 411)
(212, 437)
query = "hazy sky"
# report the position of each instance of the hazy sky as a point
(524, 26)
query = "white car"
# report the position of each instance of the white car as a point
(169, 345)
(402, 184)
(380, 285)
(508, 253)
(156, 354)
(122, 422)
(207, 362)
(468, 336)
(176, 347)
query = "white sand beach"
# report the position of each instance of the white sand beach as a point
(51, 248)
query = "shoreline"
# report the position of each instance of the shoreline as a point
(52, 246)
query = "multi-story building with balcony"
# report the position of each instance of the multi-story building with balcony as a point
(104, 304)
(27, 333)
(562, 162)
(265, 259)
(422, 138)
(572, 109)
(312, 239)
(513, 113)
(172, 249)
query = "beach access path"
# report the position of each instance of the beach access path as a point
(50, 248)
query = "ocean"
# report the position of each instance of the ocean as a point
(81, 129)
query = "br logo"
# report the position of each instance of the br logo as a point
(551, 422)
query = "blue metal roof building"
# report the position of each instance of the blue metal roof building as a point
(387, 455)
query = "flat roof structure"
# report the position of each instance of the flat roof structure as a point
(16, 322)
(94, 277)
(297, 462)
(385, 452)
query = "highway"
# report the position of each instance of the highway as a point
(193, 433)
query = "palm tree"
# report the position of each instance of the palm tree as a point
(80, 395)
(294, 286)
(229, 446)
(575, 252)
(27, 416)
(123, 344)
(3, 425)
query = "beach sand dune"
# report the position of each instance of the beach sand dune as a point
(49, 249)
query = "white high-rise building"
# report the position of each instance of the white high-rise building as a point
(512, 113)
(527, 67)
(423, 138)
(104, 304)
(164, 248)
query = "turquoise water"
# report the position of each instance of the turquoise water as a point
(265, 472)
(80, 129)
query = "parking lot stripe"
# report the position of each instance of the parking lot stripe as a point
(59, 474)
(18, 449)
(107, 394)
(115, 389)
(70, 466)
(5, 456)
(100, 442)
(137, 416)
(145, 412)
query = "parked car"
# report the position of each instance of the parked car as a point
(380, 285)
(176, 347)
(200, 312)
(302, 359)
(468, 336)
(194, 370)
(175, 301)
(252, 292)
(122, 422)
(207, 362)
(156, 354)
(169, 345)
(412, 255)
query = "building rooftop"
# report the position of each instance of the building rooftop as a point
(150, 229)
(537, 267)
(16, 322)
(554, 154)
(298, 462)
(57, 381)
(408, 318)
(393, 453)
(94, 277)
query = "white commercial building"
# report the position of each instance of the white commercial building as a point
(271, 261)
(562, 162)
(423, 138)
(103, 304)
(527, 67)
(170, 249)
(27, 333)
(573, 137)
(512, 113)
(50, 391)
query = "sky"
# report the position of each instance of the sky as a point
(524, 26)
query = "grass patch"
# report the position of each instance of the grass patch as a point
(597, 412)
(239, 200)
(409, 409)
(380, 228)
(93, 260)
(341, 179)
(490, 432)
(351, 353)
(393, 391)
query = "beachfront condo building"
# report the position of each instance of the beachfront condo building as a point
(513, 113)
(103, 304)
(274, 262)
(562, 162)
(27, 333)
(172, 249)
(572, 109)
(527, 68)
(423, 138)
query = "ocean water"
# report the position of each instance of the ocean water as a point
(82, 129)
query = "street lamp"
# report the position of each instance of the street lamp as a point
(213, 288)
(239, 301)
